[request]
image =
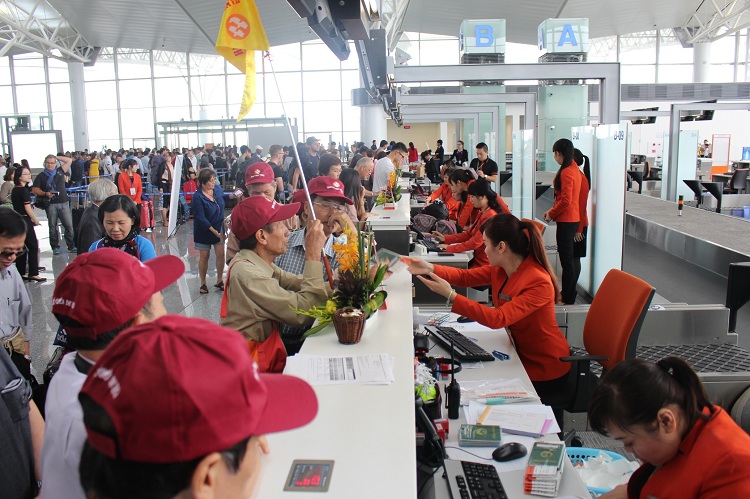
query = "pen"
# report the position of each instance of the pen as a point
(500, 355)
(492, 401)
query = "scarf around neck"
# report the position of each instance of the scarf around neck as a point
(129, 245)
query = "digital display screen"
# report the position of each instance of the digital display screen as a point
(309, 476)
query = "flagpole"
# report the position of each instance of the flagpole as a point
(299, 162)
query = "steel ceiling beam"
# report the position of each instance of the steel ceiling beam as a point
(711, 22)
(40, 29)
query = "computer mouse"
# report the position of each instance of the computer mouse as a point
(463, 319)
(509, 452)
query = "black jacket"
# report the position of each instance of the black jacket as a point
(459, 157)
(89, 229)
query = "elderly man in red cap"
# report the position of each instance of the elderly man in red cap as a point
(259, 181)
(176, 408)
(80, 302)
(329, 203)
(259, 297)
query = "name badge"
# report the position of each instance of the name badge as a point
(132, 191)
(503, 297)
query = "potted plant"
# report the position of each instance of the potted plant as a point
(356, 296)
(391, 193)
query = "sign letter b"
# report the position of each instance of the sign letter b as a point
(483, 34)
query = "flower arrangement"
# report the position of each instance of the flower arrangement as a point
(356, 286)
(392, 192)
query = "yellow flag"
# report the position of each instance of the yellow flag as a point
(240, 35)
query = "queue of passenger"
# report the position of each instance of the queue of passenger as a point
(105, 439)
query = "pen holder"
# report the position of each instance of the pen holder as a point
(349, 324)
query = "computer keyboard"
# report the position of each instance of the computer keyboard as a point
(473, 480)
(431, 246)
(464, 348)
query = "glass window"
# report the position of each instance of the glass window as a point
(438, 52)
(216, 112)
(172, 113)
(675, 73)
(172, 92)
(719, 73)
(103, 129)
(645, 73)
(104, 69)
(351, 115)
(290, 85)
(133, 64)
(638, 48)
(293, 110)
(722, 51)
(603, 49)
(31, 98)
(60, 96)
(28, 68)
(58, 70)
(208, 90)
(6, 99)
(322, 116)
(236, 88)
(321, 85)
(349, 81)
(101, 95)
(4, 70)
(137, 124)
(672, 52)
(169, 63)
(206, 64)
(135, 94)
(353, 61)
(286, 57)
(316, 55)
(63, 121)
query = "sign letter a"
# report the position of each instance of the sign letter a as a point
(567, 36)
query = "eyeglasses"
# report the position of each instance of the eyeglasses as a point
(330, 206)
(7, 255)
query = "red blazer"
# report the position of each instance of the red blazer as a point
(583, 200)
(565, 208)
(445, 194)
(471, 240)
(524, 305)
(713, 461)
(124, 185)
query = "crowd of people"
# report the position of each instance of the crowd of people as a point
(95, 433)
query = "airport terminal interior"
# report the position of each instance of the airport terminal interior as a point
(655, 94)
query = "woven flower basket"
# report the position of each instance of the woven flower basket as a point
(349, 325)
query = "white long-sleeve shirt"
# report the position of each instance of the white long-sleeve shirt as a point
(15, 305)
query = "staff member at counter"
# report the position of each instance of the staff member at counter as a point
(524, 292)
(466, 213)
(489, 204)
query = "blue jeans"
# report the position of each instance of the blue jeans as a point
(60, 212)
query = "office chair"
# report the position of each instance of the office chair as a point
(738, 182)
(610, 335)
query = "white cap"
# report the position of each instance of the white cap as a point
(258, 147)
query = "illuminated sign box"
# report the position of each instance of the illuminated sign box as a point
(482, 36)
(560, 36)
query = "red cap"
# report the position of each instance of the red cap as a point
(253, 213)
(259, 173)
(204, 393)
(106, 276)
(328, 187)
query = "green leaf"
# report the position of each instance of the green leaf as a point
(375, 302)
(318, 328)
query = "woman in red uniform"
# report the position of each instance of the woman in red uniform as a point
(489, 204)
(460, 181)
(524, 292)
(444, 194)
(660, 411)
(579, 240)
(565, 213)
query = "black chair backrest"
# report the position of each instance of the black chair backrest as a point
(739, 179)
(738, 290)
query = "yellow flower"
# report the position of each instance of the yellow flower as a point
(392, 179)
(347, 254)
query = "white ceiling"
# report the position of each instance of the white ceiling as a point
(192, 25)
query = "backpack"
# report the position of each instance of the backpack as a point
(446, 227)
(423, 223)
(436, 209)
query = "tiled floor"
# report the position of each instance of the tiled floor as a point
(181, 297)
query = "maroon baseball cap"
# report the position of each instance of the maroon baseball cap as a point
(94, 280)
(253, 213)
(328, 187)
(205, 393)
(259, 173)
